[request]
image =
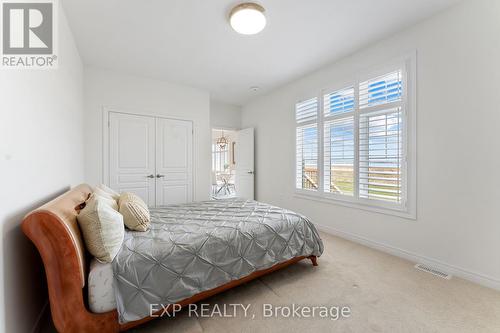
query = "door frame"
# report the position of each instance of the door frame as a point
(106, 110)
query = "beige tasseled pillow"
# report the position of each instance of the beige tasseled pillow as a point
(102, 228)
(135, 212)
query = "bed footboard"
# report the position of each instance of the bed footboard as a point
(314, 260)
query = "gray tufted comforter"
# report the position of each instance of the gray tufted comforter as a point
(195, 247)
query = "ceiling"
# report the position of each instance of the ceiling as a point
(190, 41)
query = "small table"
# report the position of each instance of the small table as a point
(227, 188)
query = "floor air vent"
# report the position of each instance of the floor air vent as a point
(432, 271)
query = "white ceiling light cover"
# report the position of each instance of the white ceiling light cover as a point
(248, 18)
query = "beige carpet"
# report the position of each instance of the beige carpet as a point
(385, 294)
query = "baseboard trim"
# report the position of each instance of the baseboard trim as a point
(465, 274)
(36, 326)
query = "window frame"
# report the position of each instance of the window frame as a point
(407, 208)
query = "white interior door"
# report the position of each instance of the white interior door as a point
(244, 158)
(174, 161)
(132, 155)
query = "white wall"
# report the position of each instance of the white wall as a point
(145, 96)
(458, 122)
(224, 115)
(41, 155)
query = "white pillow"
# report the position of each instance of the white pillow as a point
(106, 198)
(100, 287)
(102, 193)
(115, 195)
(102, 228)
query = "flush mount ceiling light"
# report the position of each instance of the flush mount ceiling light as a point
(247, 18)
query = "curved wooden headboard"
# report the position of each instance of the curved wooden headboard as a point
(62, 212)
(54, 230)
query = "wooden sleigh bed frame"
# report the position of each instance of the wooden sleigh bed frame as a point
(54, 230)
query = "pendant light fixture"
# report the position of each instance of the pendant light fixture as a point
(222, 141)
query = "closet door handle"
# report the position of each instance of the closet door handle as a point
(151, 176)
(159, 176)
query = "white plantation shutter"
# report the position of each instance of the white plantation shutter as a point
(306, 110)
(381, 138)
(340, 101)
(307, 157)
(339, 156)
(338, 137)
(380, 155)
(381, 90)
(306, 114)
(361, 132)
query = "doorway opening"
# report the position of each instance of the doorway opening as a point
(223, 163)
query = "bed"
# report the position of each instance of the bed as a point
(191, 252)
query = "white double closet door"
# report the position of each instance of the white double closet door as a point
(151, 157)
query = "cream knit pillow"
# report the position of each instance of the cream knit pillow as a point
(102, 228)
(135, 212)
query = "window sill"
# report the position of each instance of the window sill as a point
(310, 195)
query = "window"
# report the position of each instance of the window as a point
(220, 158)
(353, 146)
